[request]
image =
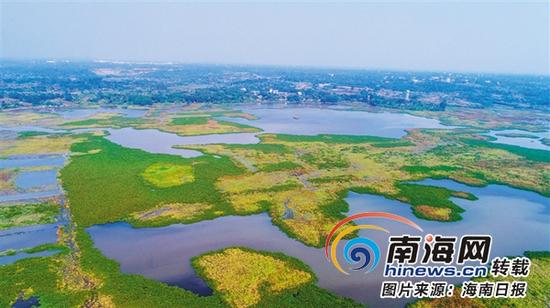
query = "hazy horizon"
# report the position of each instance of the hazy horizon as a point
(490, 37)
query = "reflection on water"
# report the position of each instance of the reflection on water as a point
(532, 142)
(517, 220)
(313, 121)
(156, 141)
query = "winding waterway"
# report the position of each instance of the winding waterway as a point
(518, 221)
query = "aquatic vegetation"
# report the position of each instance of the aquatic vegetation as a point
(517, 135)
(203, 126)
(253, 202)
(49, 246)
(165, 175)
(346, 163)
(18, 215)
(170, 213)
(255, 181)
(212, 112)
(243, 274)
(309, 223)
(36, 276)
(300, 181)
(432, 197)
(245, 278)
(262, 147)
(107, 186)
(86, 277)
(537, 290)
(429, 169)
(432, 212)
(191, 120)
(107, 120)
(27, 134)
(330, 179)
(494, 118)
(326, 138)
(28, 118)
(285, 165)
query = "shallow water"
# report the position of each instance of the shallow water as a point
(30, 128)
(313, 121)
(32, 161)
(531, 143)
(518, 221)
(156, 141)
(27, 237)
(36, 179)
(28, 196)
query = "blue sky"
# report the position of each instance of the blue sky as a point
(489, 36)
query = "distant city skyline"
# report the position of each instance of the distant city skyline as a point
(491, 37)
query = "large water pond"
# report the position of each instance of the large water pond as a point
(307, 121)
(155, 141)
(521, 138)
(518, 221)
(313, 121)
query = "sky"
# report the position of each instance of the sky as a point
(488, 36)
